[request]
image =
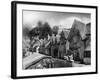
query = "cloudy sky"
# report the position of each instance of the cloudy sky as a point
(54, 18)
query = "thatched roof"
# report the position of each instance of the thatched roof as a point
(35, 57)
(66, 33)
(77, 26)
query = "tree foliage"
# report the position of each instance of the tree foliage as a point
(41, 30)
(26, 30)
(55, 29)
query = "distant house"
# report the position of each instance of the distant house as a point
(88, 40)
(88, 27)
(66, 33)
(76, 36)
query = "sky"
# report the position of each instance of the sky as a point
(54, 18)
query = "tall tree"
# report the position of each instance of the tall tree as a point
(55, 29)
(46, 29)
(41, 30)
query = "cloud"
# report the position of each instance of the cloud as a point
(64, 19)
(86, 20)
(68, 21)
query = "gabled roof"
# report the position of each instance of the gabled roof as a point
(66, 33)
(88, 26)
(78, 26)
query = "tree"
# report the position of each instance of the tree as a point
(26, 30)
(62, 35)
(39, 24)
(41, 30)
(47, 29)
(34, 32)
(55, 29)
